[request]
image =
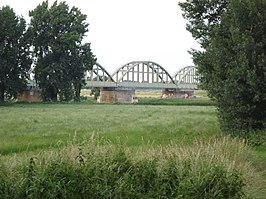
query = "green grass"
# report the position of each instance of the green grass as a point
(149, 131)
(262, 153)
(177, 102)
(27, 127)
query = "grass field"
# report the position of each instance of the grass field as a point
(28, 129)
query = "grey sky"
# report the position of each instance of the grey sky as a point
(121, 31)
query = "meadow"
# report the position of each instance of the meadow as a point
(28, 127)
(177, 146)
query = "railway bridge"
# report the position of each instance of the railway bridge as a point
(121, 85)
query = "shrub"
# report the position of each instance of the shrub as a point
(218, 169)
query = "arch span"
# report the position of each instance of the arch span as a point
(145, 73)
(99, 77)
(98, 73)
(187, 75)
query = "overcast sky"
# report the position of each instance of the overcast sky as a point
(121, 31)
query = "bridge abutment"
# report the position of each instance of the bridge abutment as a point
(117, 95)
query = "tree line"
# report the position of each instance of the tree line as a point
(52, 44)
(232, 59)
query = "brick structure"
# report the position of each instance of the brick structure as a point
(33, 95)
(116, 95)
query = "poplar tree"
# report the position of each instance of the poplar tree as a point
(61, 57)
(15, 60)
(232, 61)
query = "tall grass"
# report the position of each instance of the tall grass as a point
(213, 169)
(33, 127)
(141, 151)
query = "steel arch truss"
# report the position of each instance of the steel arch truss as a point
(144, 74)
(99, 77)
(187, 75)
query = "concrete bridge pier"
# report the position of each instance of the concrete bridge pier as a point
(117, 95)
(176, 93)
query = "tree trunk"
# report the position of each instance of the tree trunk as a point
(77, 87)
(54, 97)
(2, 94)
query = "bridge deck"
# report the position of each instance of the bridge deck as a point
(106, 84)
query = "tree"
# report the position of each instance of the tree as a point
(232, 62)
(96, 92)
(83, 60)
(15, 59)
(61, 58)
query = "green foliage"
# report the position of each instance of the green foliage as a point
(95, 92)
(203, 18)
(232, 64)
(114, 174)
(254, 138)
(14, 53)
(62, 59)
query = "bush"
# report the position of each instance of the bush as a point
(252, 138)
(204, 171)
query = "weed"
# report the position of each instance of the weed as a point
(204, 170)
